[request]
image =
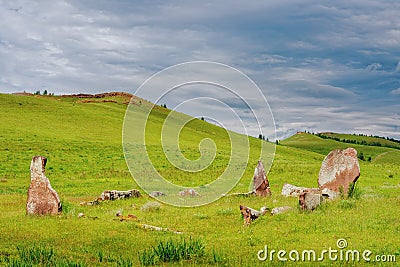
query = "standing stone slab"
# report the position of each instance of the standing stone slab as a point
(340, 168)
(42, 198)
(260, 181)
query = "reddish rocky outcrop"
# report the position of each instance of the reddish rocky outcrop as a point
(339, 169)
(42, 198)
(260, 181)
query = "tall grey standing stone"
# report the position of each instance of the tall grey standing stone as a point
(260, 181)
(42, 198)
(339, 169)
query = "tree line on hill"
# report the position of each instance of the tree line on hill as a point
(44, 93)
(363, 142)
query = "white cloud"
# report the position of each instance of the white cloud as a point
(397, 67)
(271, 59)
(373, 67)
(395, 91)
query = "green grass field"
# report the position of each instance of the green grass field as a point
(83, 145)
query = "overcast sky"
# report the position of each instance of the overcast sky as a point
(323, 66)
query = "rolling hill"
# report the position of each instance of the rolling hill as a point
(81, 136)
(377, 154)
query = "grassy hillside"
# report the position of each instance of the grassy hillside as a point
(83, 143)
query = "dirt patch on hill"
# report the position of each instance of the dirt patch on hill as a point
(102, 95)
(111, 97)
(98, 101)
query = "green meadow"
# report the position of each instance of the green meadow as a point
(82, 142)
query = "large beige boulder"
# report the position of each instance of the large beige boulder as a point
(289, 190)
(339, 169)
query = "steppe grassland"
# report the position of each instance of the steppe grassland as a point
(82, 142)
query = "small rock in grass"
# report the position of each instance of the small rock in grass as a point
(188, 193)
(129, 217)
(116, 194)
(151, 206)
(250, 214)
(310, 201)
(156, 194)
(278, 210)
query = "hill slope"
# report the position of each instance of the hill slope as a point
(378, 154)
(362, 139)
(83, 143)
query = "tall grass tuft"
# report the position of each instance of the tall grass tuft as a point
(354, 191)
(124, 262)
(148, 257)
(173, 251)
(218, 259)
(67, 263)
(16, 263)
(151, 206)
(347, 204)
(36, 255)
(67, 208)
